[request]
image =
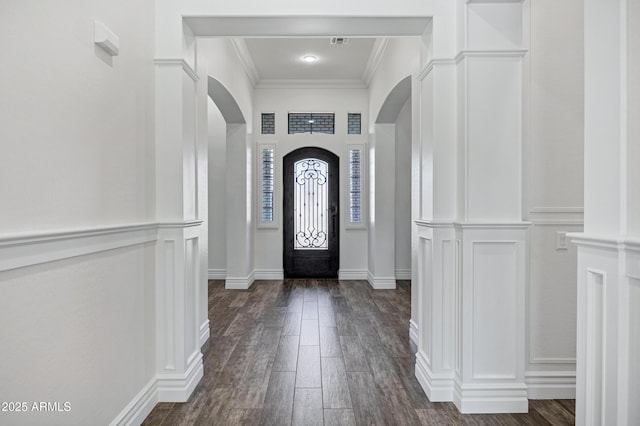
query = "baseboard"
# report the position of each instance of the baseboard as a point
(352, 274)
(551, 384)
(217, 274)
(491, 398)
(269, 274)
(381, 283)
(205, 333)
(179, 387)
(140, 406)
(413, 332)
(403, 274)
(239, 283)
(438, 388)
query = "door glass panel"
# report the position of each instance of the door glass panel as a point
(311, 204)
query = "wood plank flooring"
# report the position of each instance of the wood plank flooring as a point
(320, 352)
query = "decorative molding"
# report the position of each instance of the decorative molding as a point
(438, 388)
(413, 332)
(352, 274)
(377, 51)
(21, 250)
(269, 274)
(515, 53)
(487, 398)
(179, 62)
(434, 224)
(217, 274)
(556, 210)
(403, 274)
(178, 387)
(551, 384)
(205, 333)
(492, 225)
(139, 407)
(246, 60)
(381, 283)
(432, 64)
(607, 242)
(543, 360)
(558, 222)
(239, 283)
(311, 84)
(180, 225)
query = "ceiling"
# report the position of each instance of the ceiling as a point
(278, 59)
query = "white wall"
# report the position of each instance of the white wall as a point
(554, 189)
(76, 130)
(217, 139)
(353, 242)
(403, 193)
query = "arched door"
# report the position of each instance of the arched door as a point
(311, 219)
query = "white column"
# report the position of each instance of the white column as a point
(240, 272)
(490, 318)
(179, 285)
(382, 208)
(608, 347)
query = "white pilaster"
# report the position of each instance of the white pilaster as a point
(608, 378)
(180, 278)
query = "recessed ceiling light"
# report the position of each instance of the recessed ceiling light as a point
(309, 58)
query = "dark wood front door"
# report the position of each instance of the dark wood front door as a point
(311, 219)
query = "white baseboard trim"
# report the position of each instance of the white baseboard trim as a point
(491, 398)
(179, 387)
(413, 332)
(439, 388)
(269, 274)
(217, 274)
(551, 384)
(403, 274)
(381, 283)
(205, 333)
(140, 406)
(239, 283)
(352, 274)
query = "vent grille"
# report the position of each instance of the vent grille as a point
(339, 40)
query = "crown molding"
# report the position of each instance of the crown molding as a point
(377, 51)
(311, 84)
(246, 60)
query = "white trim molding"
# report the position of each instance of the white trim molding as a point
(551, 384)
(178, 387)
(438, 387)
(352, 274)
(379, 47)
(310, 84)
(246, 60)
(186, 67)
(403, 274)
(269, 274)
(217, 274)
(413, 332)
(205, 333)
(240, 283)
(20, 250)
(381, 283)
(139, 407)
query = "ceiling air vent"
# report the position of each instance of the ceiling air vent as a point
(339, 40)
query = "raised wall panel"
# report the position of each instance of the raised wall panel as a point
(426, 298)
(168, 277)
(595, 345)
(447, 326)
(191, 275)
(494, 310)
(494, 25)
(634, 349)
(189, 182)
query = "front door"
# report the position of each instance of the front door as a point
(311, 221)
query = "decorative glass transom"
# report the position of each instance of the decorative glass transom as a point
(311, 204)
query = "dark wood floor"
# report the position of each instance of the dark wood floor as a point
(313, 352)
